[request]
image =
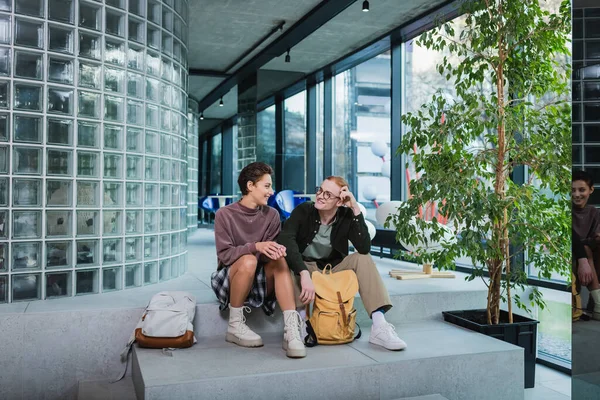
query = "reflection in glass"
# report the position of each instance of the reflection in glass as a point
(89, 104)
(30, 7)
(151, 142)
(150, 247)
(134, 139)
(58, 254)
(58, 284)
(87, 222)
(133, 222)
(28, 97)
(111, 250)
(113, 108)
(151, 194)
(135, 112)
(5, 58)
(59, 131)
(133, 194)
(112, 222)
(5, 29)
(27, 192)
(60, 70)
(25, 256)
(60, 101)
(134, 167)
(61, 10)
(111, 279)
(112, 194)
(89, 16)
(59, 162)
(114, 80)
(112, 166)
(89, 76)
(87, 252)
(60, 40)
(27, 129)
(4, 157)
(133, 275)
(165, 216)
(58, 193)
(112, 136)
(4, 190)
(87, 193)
(87, 134)
(4, 225)
(87, 282)
(133, 249)
(29, 33)
(150, 221)
(58, 223)
(135, 58)
(114, 52)
(87, 164)
(28, 65)
(114, 23)
(150, 273)
(27, 224)
(27, 160)
(3, 268)
(26, 287)
(89, 46)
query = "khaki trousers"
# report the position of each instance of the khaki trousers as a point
(372, 291)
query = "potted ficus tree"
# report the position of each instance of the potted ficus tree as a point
(492, 156)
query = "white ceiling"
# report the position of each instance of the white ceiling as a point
(222, 30)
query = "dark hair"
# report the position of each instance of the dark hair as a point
(253, 172)
(583, 176)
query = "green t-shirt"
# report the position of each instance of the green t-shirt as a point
(321, 247)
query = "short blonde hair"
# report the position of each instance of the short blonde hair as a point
(338, 180)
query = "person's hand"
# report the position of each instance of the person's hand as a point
(271, 249)
(584, 271)
(308, 288)
(349, 199)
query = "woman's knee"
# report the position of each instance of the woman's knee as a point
(279, 265)
(247, 264)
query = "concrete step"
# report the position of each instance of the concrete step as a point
(209, 321)
(440, 358)
(428, 397)
(106, 390)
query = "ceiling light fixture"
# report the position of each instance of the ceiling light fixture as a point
(365, 6)
(201, 116)
(221, 102)
(287, 57)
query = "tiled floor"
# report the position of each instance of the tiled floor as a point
(549, 385)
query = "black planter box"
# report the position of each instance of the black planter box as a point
(522, 332)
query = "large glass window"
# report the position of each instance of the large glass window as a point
(294, 175)
(361, 134)
(216, 164)
(265, 136)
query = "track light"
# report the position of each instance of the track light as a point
(365, 6)
(201, 116)
(221, 102)
(287, 57)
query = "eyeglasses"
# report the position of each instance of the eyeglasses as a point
(326, 193)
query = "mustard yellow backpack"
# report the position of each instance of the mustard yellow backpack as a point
(333, 317)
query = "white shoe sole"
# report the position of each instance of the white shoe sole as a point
(294, 353)
(394, 347)
(231, 338)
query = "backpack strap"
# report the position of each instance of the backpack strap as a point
(342, 308)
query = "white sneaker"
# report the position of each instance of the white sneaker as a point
(385, 336)
(237, 330)
(292, 341)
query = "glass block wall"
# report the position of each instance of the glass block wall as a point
(192, 172)
(93, 122)
(586, 94)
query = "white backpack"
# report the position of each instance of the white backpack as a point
(167, 322)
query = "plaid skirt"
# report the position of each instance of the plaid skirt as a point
(257, 297)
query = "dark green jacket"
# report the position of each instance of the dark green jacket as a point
(302, 226)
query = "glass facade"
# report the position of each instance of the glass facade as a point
(362, 104)
(192, 170)
(93, 146)
(586, 95)
(294, 139)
